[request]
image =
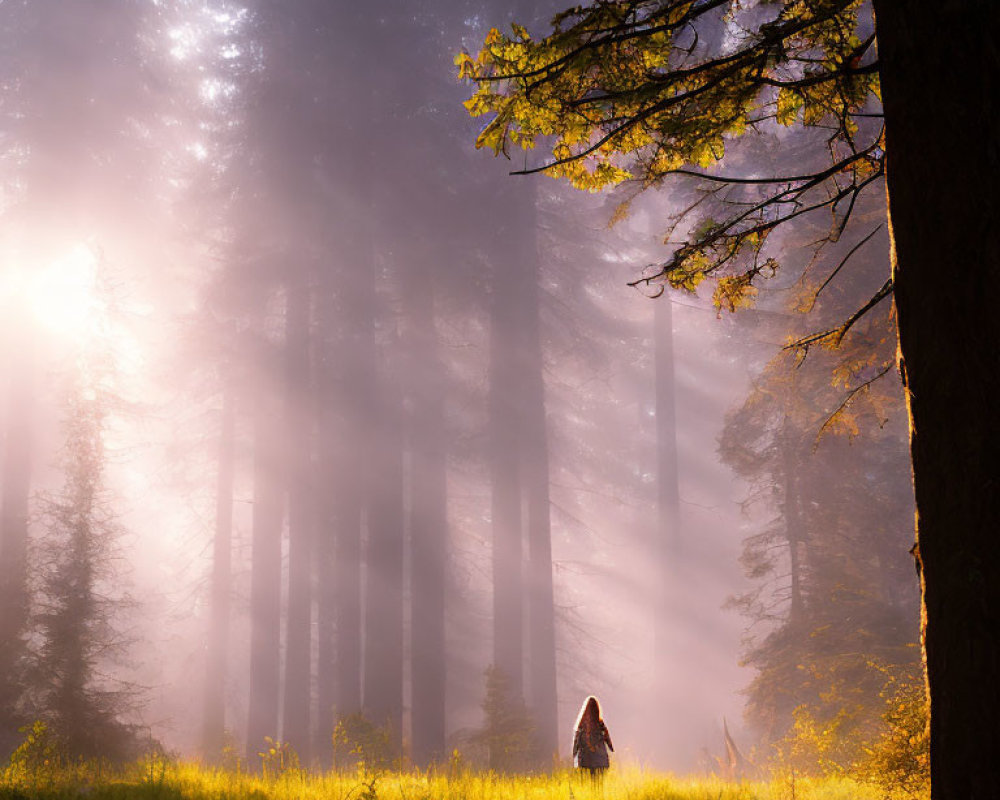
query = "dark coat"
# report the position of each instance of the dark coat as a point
(590, 747)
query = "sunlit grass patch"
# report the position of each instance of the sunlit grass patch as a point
(157, 779)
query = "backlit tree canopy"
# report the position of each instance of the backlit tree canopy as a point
(633, 91)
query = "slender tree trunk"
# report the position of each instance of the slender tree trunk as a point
(541, 603)
(354, 477)
(943, 149)
(383, 622)
(428, 526)
(16, 478)
(794, 526)
(329, 432)
(351, 496)
(535, 461)
(505, 481)
(265, 572)
(668, 539)
(14, 512)
(298, 448)
(214, 709)
(666, 547)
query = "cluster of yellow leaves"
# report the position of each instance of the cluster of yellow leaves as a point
(734, 292)
(689, 272)
(596, 107)
(631, 95)
(900, 757)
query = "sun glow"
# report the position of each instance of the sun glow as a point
(60, 298)
(63, 296)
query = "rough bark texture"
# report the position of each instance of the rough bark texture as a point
(940, 69)
(214, 721)
(298, 637)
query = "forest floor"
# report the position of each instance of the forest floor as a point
(164, 780)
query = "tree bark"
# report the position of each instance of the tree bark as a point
(214, 709)
(940, 78)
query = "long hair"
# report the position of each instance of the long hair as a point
(590, 714)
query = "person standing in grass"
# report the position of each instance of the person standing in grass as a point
(591, 741)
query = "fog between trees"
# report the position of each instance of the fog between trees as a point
(366, 415)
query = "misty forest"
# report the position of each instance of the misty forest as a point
(379, 382)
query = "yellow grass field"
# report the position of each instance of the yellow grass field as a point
(166, 780)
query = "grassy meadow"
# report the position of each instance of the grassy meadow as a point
(158, 779)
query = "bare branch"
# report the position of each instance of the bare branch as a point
(840, 332)
(840, 266)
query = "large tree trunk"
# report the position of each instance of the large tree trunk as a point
(940, 70)
(214, 710)
(298, 448)
(428, 525)
(265, 571)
